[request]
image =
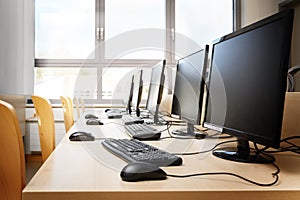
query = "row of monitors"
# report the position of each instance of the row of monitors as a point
(245, 82)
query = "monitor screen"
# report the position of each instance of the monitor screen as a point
(156, 89)
(137, 91)
(247, 85)
(189, 89)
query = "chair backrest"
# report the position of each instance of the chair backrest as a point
(12, 161)
(77, 107)
(67, 105)
(46, 126)
(82, 104)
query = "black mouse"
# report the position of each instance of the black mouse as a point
(81, 136)
(139, 171)
(94, 122)
(107, 110)
(91, 116)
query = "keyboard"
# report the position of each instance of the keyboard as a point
(132, 150)
(114, 115)
(128, 119)
(142, 132)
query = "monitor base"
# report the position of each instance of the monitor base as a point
(242, 153)
(188, 134)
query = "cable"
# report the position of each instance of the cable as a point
(292, 148)
(200, 152)
(275, 175)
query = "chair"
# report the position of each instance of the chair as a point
(67, 105)
(12, 158)
(77, 107)
(82, 104)
(46, 126)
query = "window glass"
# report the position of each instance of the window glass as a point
(52, 82)
(123, 23)
(200, 22)
(64, 29)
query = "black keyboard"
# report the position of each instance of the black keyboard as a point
(114, 115)
(128, 119)
(142, 132)
(135, 151)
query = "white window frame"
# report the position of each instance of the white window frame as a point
(101, 61)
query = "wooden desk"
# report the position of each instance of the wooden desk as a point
(84, 170)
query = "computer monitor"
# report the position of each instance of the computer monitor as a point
(189, 90)
(251, 64)
(137, 93)
(156, 89)
(130, 96)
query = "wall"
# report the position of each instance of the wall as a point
(16, 47)
(254, 10)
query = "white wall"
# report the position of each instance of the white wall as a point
(16, 47)
(254, 10)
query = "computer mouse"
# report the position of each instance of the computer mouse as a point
(94, 122)
(91, 116)
(139, 171)
(81, 136)
(107, 110)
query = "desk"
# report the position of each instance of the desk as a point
(85, 170)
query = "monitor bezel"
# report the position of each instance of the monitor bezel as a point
(161, 64)
(140, 92)
(200, 99)
(129, 103)
(275, 140)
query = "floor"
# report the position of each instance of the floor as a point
(33, 163)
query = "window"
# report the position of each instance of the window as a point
(86, 48)
(64, 29)
(124, 21)
(51, 82)
(198, 23)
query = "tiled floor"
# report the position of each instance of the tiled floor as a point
(33, 163)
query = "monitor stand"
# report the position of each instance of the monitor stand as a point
(156, 120)
(189, 132)
(243, 153)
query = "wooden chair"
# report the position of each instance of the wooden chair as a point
(79, 108)
(71, 107)
(82, 104)
(67, 105)
(12, 158)
(46, 126)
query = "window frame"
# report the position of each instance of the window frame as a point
(100, 60)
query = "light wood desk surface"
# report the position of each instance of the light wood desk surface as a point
(85, 170)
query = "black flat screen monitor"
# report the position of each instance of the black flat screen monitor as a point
(250, 67)
(137, 91)
(156, 90)
(189, 90)
(130, 96)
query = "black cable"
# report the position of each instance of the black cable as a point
(293, 148)
(275, 175)
(200, 152)
(290, 138)
(166, 129)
